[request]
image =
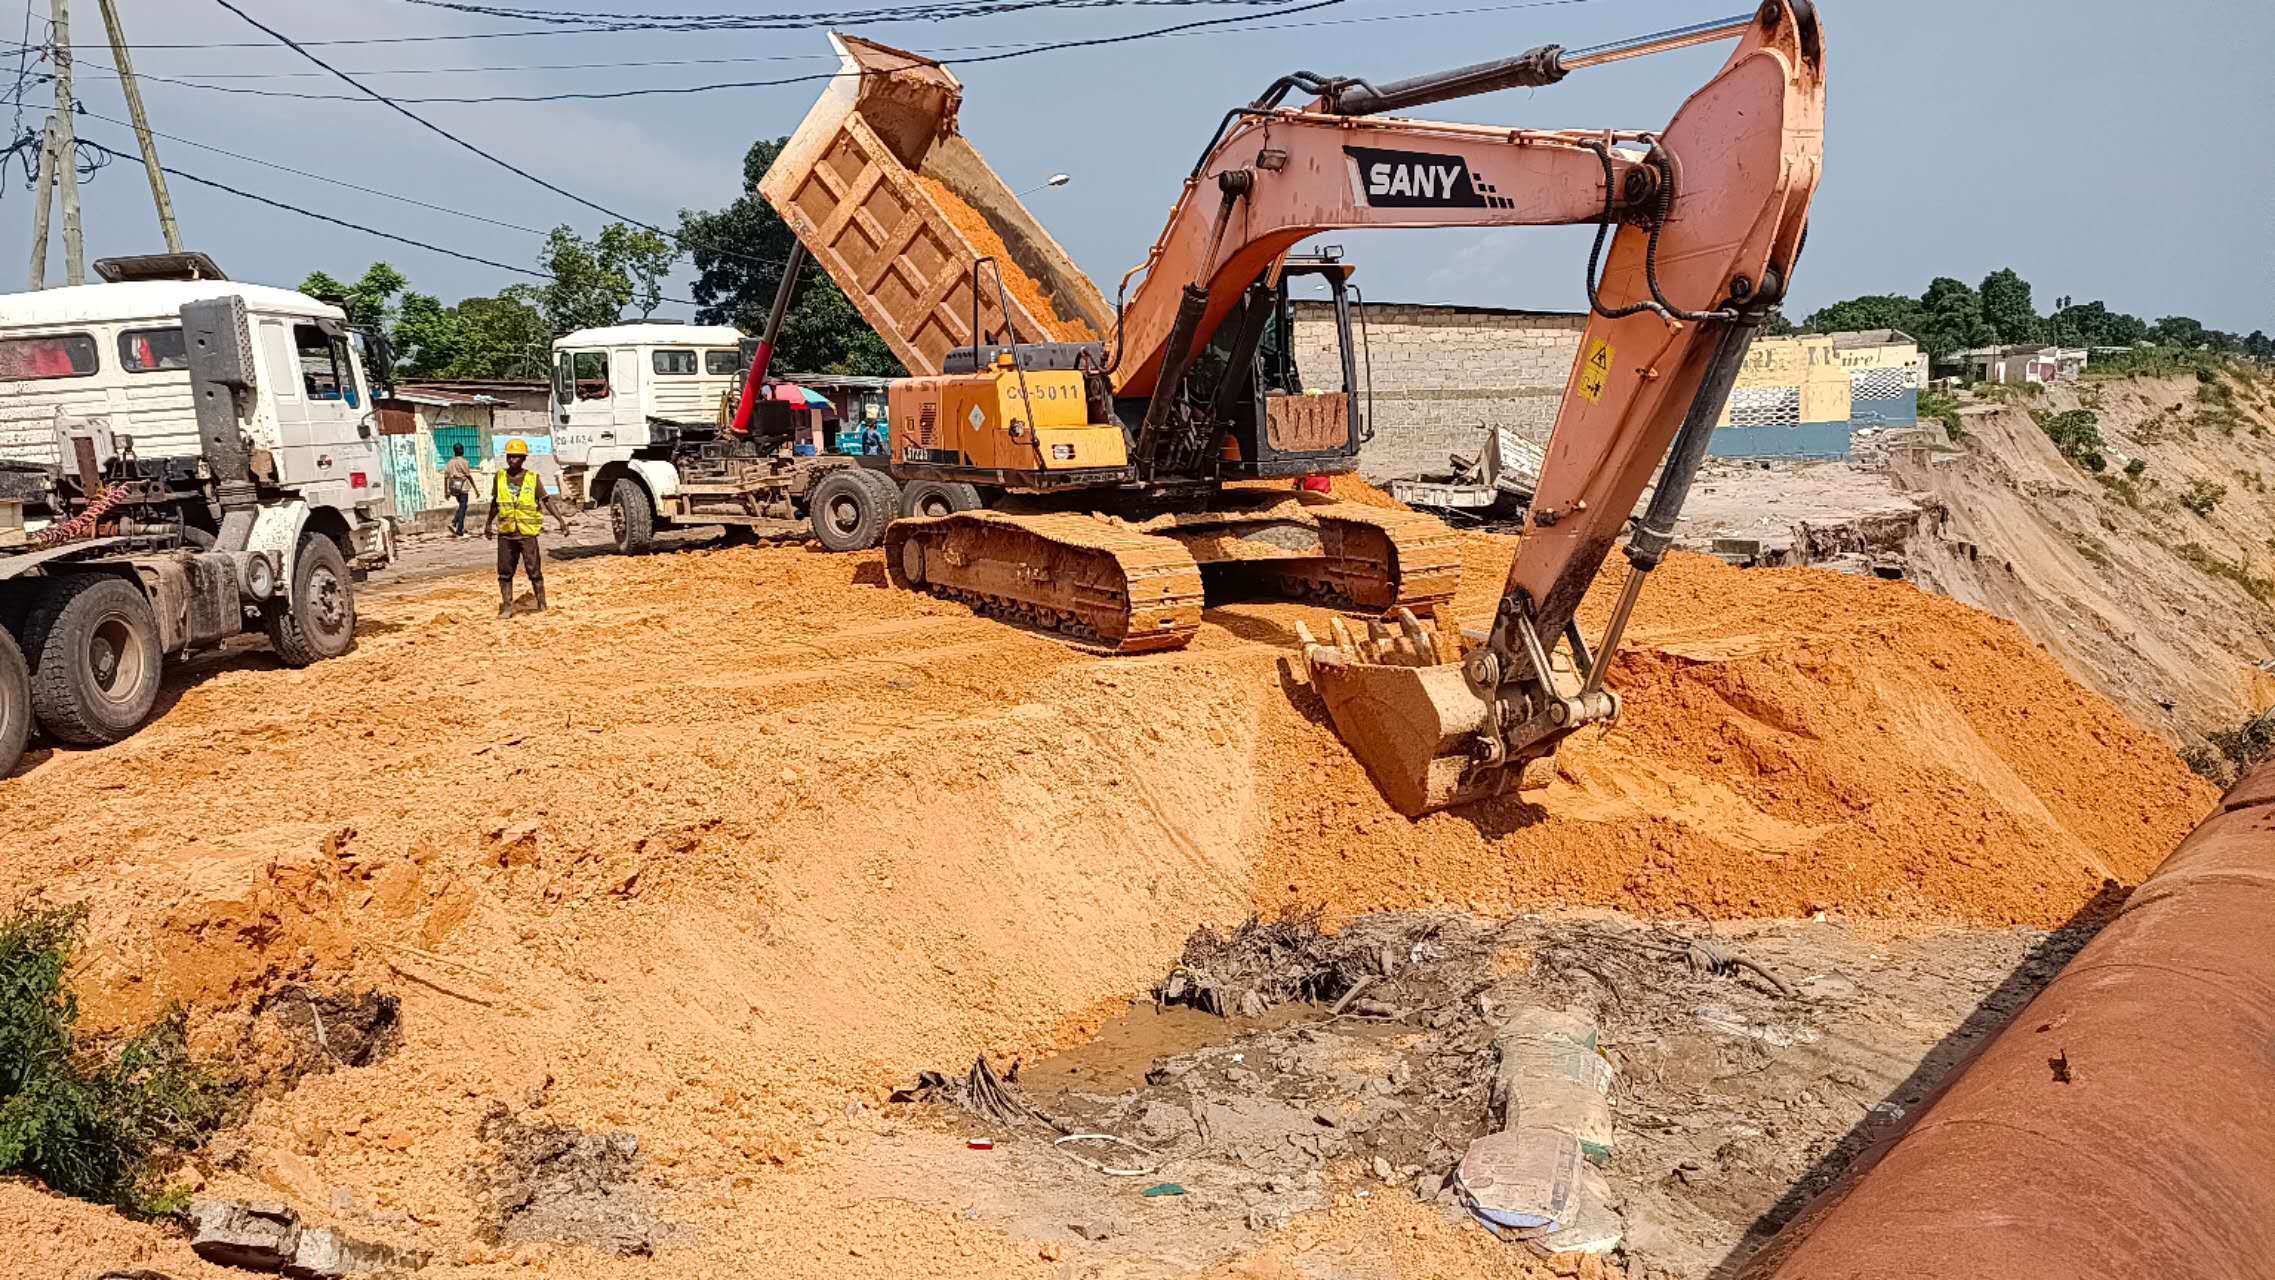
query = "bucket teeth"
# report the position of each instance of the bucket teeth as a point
(1408, 718)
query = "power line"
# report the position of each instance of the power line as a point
(922, 11)
(455, 140)
(108, 153)
(1014, 49)
(319, 177)
(608, 24)
(439, 131)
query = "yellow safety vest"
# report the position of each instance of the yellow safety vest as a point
(518, 512)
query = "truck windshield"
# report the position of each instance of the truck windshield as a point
(63, 355)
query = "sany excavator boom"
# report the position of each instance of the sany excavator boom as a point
(1712, 216)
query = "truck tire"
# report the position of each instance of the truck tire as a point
(91, 643)
(15, 704)
(632, 516)
(882, 482)
(317, 621)
(848, 512)
(937, 498)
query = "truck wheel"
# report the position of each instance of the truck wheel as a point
(317, 621)
(15, 704)
(91, 643)
(937, 498)
(632, 516)
(886, 489)
(848, 512)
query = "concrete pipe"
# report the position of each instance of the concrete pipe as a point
(2122, 1125)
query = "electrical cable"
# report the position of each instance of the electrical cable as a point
(319, 177)
(1253, 25)
(454, 139)
(108, 153)
(606, 26)
(602, 95)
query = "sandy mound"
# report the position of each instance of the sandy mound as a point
(731, 837)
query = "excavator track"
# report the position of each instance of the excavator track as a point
(1381, 558)
(1090, 579)
(1344, 554)
(1137, 587)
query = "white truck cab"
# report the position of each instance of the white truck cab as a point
(112, 355)
(183, 460)
(618, 388)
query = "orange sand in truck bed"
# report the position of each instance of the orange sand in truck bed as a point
(731, 837)
(1021, 286)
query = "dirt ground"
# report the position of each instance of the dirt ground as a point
(734, 839)
(1734, 1101)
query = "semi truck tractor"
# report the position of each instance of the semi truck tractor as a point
(183, 459)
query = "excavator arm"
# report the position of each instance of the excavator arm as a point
(1710, 217)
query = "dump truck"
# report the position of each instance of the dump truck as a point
(637, 428)
(183, 459)
(1117, 443)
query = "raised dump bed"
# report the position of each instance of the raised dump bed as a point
(897, 207)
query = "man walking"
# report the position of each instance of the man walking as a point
(517, 516)
(458, 483)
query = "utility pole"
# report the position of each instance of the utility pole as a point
(46, 198)
(158, 195)
(67, 148)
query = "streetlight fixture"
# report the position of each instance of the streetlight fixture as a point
(1055, 180)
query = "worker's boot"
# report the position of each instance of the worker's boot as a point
(505, 597)
(537, 589)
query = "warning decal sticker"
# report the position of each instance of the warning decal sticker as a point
(1595, 371)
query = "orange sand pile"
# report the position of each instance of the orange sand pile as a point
(1016, 281)
(1354, 488)
(1793, 741)
(730, 837)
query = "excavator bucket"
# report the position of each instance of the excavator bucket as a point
(1407, 716)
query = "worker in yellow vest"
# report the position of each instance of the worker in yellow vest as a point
(517, 515)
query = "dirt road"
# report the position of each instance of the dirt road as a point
(734, 839)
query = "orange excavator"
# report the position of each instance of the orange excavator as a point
(1111, 455)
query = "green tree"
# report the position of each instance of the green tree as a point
(2260, 347)
(2007, 306)
(1872, 311)
(368, 301)
(2093, 324)
(823, 332)
(2179, 331)
(1951, 319)
(478, 338)
(594, 282)
(2077, 433)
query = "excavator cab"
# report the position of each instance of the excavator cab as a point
(1273, 423)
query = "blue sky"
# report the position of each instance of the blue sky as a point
(2104, 148)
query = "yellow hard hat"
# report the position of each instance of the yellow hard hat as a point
(517, 448)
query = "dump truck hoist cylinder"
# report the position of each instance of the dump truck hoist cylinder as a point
(2118, 1127)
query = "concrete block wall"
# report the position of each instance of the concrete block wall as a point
(1443, 374)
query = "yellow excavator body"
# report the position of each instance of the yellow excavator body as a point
(1017, 427)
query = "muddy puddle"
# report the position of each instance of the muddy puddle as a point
(1740, 1089)
(1124, 1050)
